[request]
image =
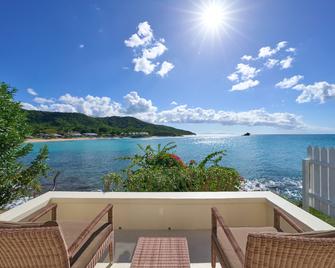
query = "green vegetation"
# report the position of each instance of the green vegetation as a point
(63, 123)
(322, 216)
(161, 171)
(16, 179)
(313, 211)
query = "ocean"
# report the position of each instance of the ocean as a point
(267, 162)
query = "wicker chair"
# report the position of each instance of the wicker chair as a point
(55, 244)
(264, 247)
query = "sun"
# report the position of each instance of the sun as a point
(212, 16)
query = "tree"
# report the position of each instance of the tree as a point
(17, 179)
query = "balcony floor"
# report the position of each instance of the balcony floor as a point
(125, 242)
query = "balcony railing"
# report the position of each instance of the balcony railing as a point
(169, 214)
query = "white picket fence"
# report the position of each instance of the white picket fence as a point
(319, 180)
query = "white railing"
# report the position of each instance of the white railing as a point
(319, 180)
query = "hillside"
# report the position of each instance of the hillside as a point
(62, 123)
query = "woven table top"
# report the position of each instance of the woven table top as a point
(161, 252)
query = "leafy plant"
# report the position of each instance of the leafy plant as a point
(158, 170)
(16, 180)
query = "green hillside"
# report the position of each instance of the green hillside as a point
(63, 123)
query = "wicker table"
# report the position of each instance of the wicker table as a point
(161, 252)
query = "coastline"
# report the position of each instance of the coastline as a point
(65, 139)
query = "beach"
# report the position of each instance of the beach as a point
(65, 139)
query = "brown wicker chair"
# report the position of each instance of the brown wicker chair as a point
(56, 244)
(264, 247)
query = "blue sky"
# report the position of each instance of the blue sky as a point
(164, 62)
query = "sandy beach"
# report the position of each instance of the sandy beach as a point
(64, 139)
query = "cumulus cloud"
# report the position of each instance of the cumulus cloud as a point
(166, 67)
(243, 76)
(144, 65)
(246, 57)
(143, 36)
(291, 49)
(81, 46)
(289, 82)
(173, 103)
(144, 109)
(286, 63)
(90, 105)
(136, 104)
(270, 63)
(267, 51)
(28, 106)
(246, 71)
(155, 51)
(42, 100)
(257, 117)
(245, 85)
(233, 77)
(32, 92)
(147, 49)
(319, 91)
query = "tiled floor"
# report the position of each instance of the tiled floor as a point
(125, 242)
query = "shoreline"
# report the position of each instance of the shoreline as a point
(66, 139)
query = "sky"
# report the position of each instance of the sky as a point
(207, 66)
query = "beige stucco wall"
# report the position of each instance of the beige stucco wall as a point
(169, 210)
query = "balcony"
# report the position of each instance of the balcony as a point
(168, 214)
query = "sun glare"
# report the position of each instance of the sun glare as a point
(212, 17)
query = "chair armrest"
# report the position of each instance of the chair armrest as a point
(81, 238)
(279, 213)
(41, 212)
(216, 217)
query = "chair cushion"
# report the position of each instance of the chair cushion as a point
(241, 235)
(71, 231)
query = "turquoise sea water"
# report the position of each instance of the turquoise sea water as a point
(265, 161)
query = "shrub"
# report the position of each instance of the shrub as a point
(160, 171)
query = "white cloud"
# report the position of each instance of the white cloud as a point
(289, 82)
(173, 103)
(136, 104)
(246, 57)
(233, 77)
(281, 45)
(267, 51)
(42, 100)
(143, 36)
(166, 67)
(245, 85)
(81, 46)
(90, 105)
(290, 49)
(257, 117)
(28, 106)
(145, 110)
(319, 91)
(147, 49)
(157, 50)
(32, 92)
(243, 76)
(270, 63)
(287, 62)
(245, 71)
(144, 65)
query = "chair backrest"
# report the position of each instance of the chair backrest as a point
(32, 245)
(284, 250)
